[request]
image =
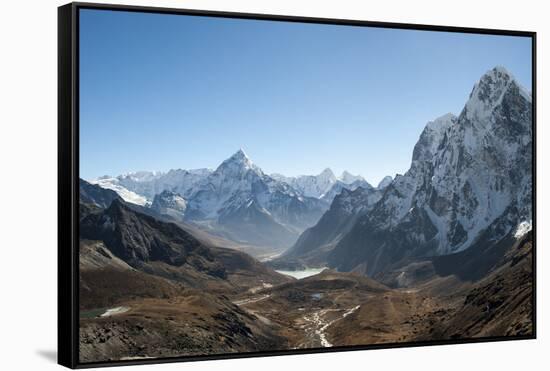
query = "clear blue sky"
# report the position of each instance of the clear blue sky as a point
(165, 91)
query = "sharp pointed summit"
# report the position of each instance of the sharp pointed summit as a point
(489, 91)
(238, 161)
(240, 154)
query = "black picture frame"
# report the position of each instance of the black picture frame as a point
(68, 175)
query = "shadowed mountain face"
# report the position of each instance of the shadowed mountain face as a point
(163, 248)
(501, 302)
(339, 187)
(137, 238)
(314, 245)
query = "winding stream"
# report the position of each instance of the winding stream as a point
(319, 325)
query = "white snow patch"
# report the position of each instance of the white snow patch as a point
(523, 228)
(116, 310)
(127, 195)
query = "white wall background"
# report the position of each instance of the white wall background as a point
(28, 150)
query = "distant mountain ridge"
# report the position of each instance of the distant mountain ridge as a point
(320, 186)
(141, 187)
(237, 200)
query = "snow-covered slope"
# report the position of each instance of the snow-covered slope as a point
(171, 204)
(386, 181)
(126, 194)
(310, 185)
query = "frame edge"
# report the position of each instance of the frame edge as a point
(66, 325)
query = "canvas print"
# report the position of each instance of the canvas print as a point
(258, 186)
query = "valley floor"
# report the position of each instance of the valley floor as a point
(324, 310)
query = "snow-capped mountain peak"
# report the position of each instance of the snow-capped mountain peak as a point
(327, 172)
(487, 94)
(349, 178)
(314, 185)
(238, 162)
(386, 181)
(327, 176)
(240, 155)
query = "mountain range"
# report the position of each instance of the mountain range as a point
(141, 187)
(237, 200)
